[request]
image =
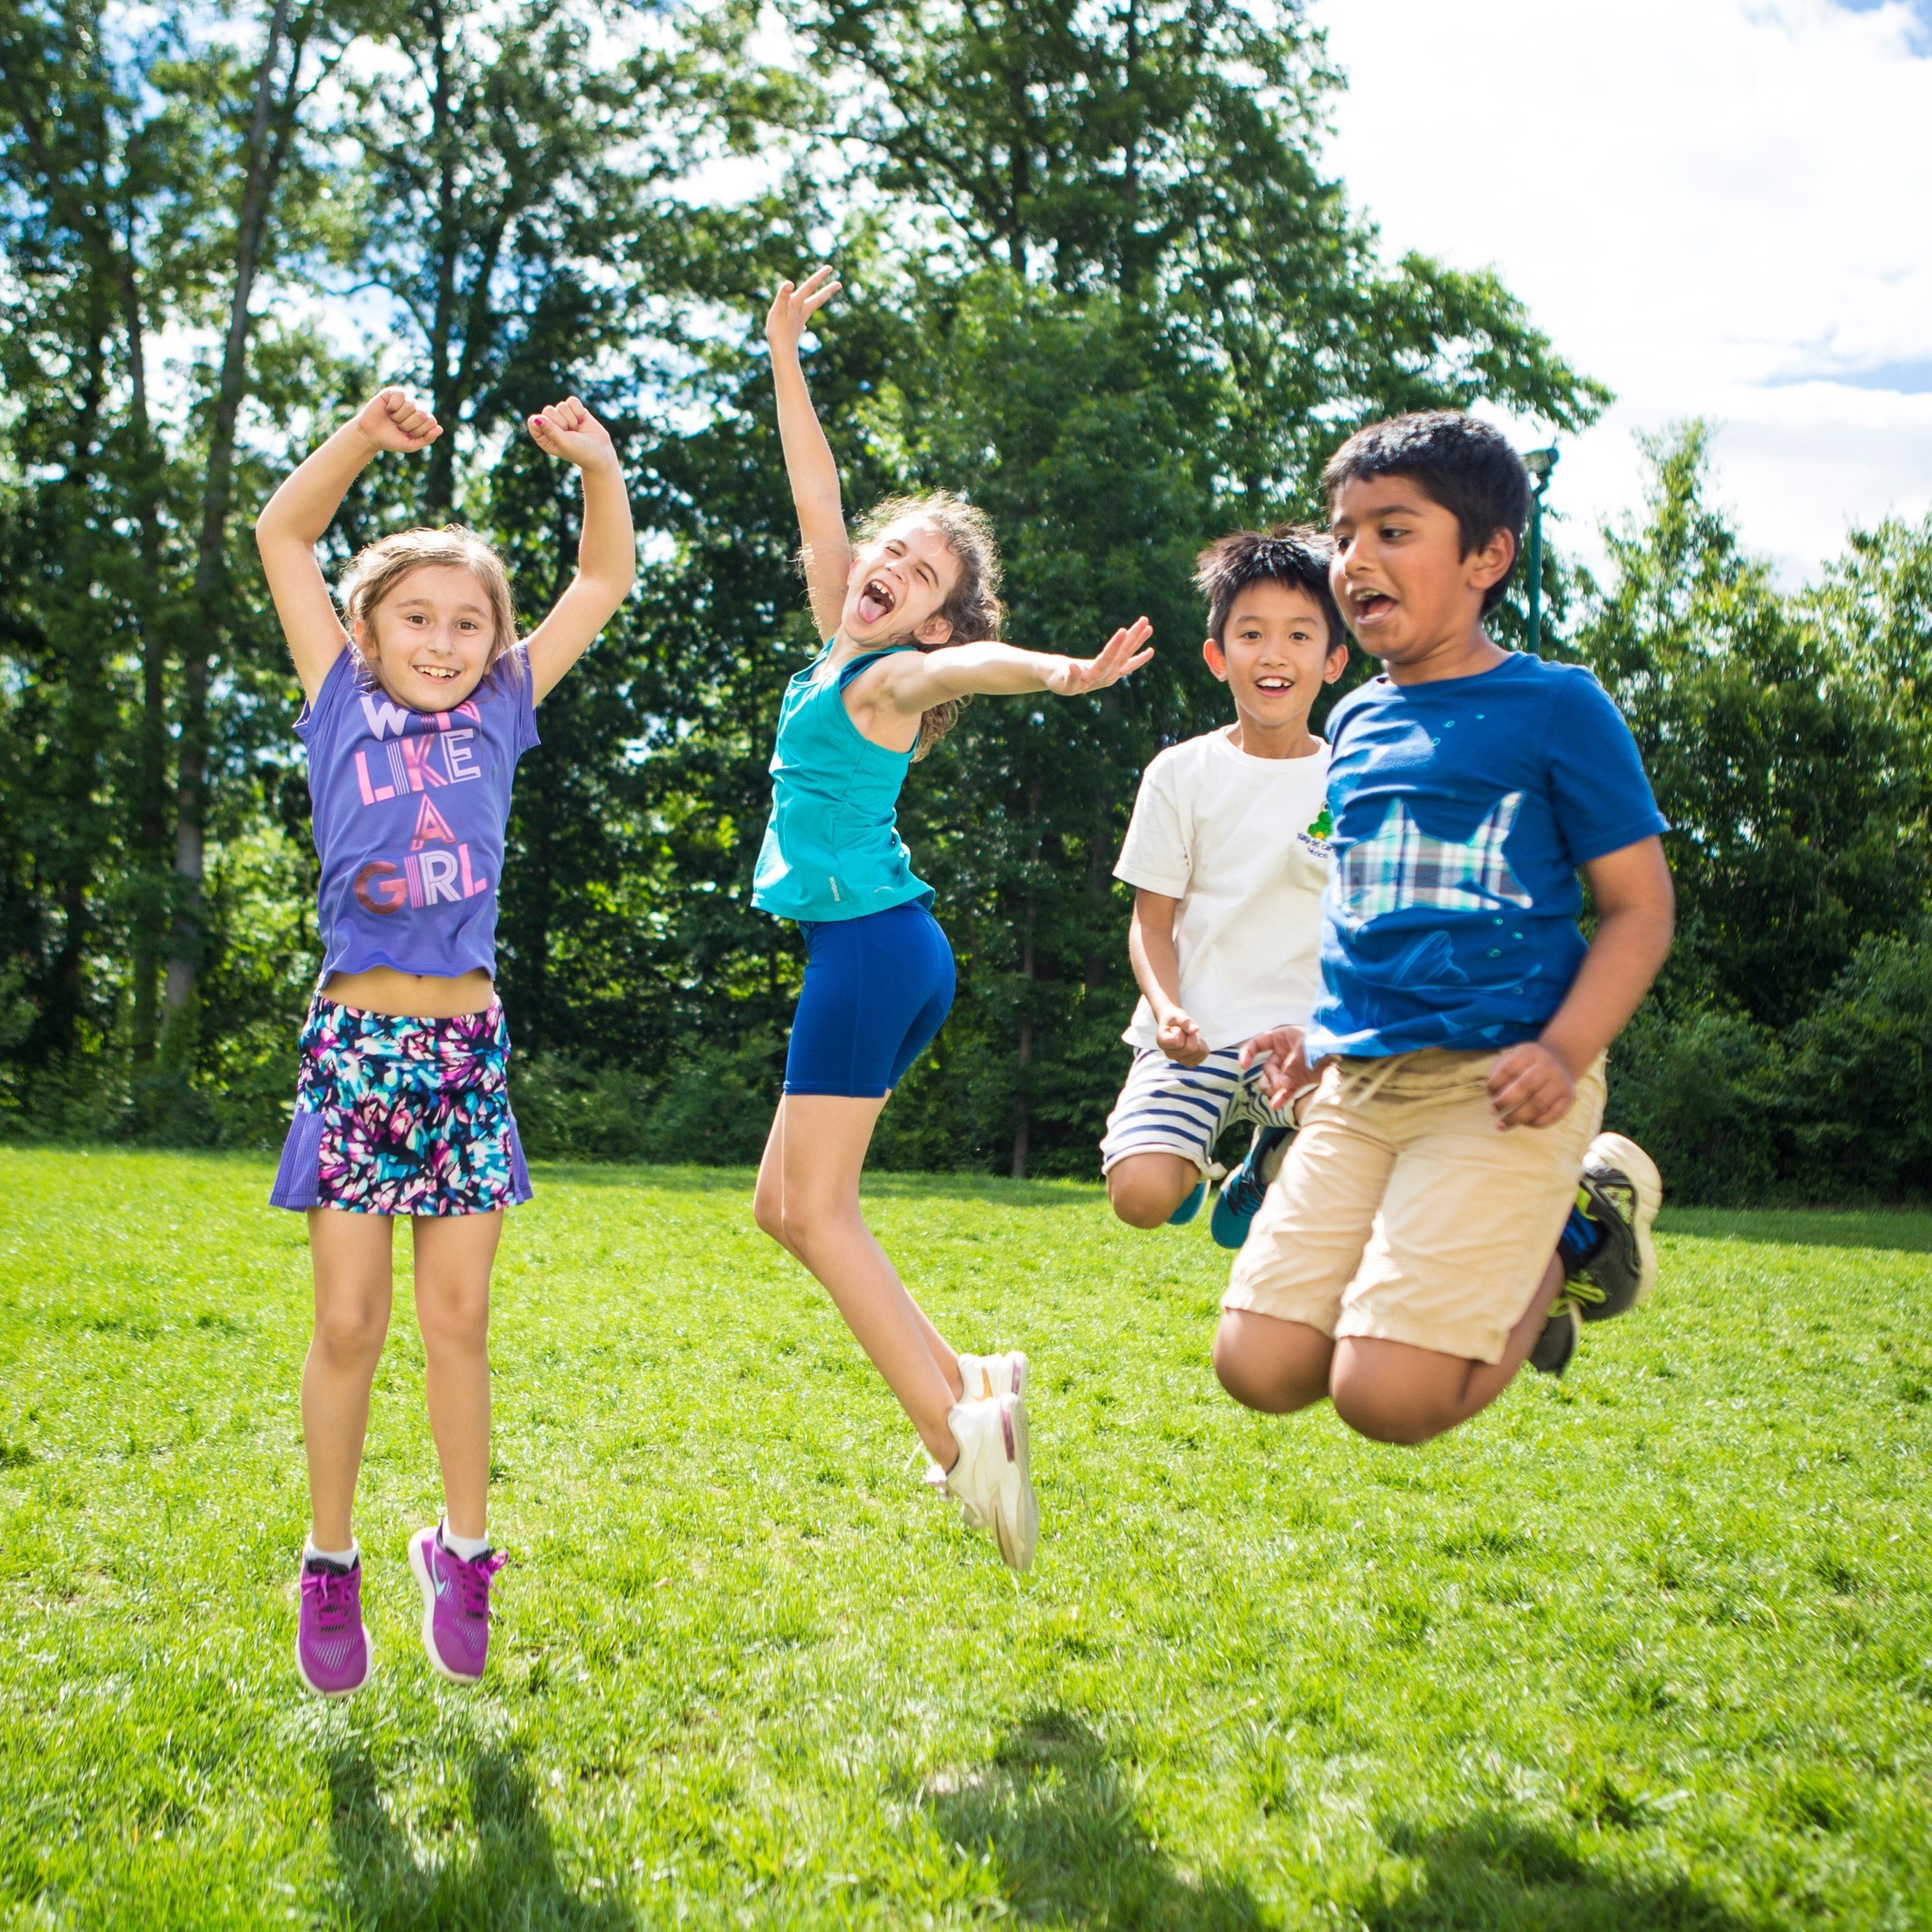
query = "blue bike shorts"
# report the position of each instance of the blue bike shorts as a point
(876, 989)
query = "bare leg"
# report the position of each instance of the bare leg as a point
(1145, 1189)
(350, 1254)
(807, 1201)
(1395, 1392)
(1269, 1364)
(453, 1255)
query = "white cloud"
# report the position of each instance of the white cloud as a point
(1720, 208)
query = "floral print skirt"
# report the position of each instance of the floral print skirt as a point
(402, 1116)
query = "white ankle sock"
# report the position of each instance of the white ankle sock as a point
(468, 1547)
(345, 1558)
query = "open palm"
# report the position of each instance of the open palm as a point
(794, 305)
(1123, 654)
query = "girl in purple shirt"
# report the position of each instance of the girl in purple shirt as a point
(417, 713)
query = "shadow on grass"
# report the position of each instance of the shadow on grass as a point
(1899, 1231)
(510, 1878)
(1061, 1829)
(1497, 1874)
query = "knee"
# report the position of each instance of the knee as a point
(802, 1227)
(797, 1226)
(770, 1216)
(1383, 1415)
(1141, 1200)
(1257, 1384)
(350, 1334)
(455, 1319)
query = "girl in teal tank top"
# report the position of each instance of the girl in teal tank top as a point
(908, 605)
(832, 849)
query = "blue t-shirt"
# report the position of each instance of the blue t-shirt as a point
(1462, 810)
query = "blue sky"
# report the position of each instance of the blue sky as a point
(1720, 207)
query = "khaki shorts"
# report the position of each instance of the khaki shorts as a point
(1402, 1214)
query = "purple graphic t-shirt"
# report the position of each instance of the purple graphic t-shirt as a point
(410, 810)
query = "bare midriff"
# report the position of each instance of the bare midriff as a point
(411, 996)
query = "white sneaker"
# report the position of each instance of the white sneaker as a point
(986, 1375)
(992, 1481)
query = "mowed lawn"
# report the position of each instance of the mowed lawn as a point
(1653, 1649)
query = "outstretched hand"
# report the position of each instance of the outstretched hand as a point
(1124, 653)
(393, 419)
(569, 431)
(794, 306)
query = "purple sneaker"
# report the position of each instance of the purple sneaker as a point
(331, 1646)
(456, 1605)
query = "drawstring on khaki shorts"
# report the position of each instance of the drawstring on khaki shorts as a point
(1361, 1082)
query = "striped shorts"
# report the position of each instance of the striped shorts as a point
(1169, 1109)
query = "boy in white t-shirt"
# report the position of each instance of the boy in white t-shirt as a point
(1227, 855)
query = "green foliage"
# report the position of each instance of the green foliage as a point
(1702, 1094)
(1796, 794)
(1647, 1650)
(1860, 1097)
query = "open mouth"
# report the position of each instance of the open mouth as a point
(1274, 687)
(437, 674)
(1370, 605)
(876, 601)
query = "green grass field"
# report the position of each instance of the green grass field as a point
(1654, 1649)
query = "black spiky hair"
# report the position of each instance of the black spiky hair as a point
(1290, 555)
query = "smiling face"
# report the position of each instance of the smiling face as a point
(434, 635)
(1275, 654)
(898, 584)
(1405, 589)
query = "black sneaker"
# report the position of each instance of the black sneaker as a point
(1244, 1190)
(1621, 1194)
(1558, 1343)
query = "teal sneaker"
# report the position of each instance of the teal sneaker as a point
(1190, 1207)
(1244, 1190)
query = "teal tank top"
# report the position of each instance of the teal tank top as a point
(832, 849)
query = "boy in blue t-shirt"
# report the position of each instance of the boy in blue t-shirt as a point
(1402, 1262)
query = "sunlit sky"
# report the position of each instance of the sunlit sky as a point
(1719, 207)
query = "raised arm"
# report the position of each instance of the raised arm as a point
(808, 463)
(914, 681)
(295, 517)
(606, 546)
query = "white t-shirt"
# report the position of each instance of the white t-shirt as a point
(1235, 839)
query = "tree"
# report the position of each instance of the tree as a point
(1796, 794)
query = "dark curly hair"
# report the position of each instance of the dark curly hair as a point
(973, 607)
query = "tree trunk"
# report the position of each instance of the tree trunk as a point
(66, 989)
(439, 483)
(206, 623)
(151, 798)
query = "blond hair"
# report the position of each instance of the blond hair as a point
(378, 571)
(972, 606)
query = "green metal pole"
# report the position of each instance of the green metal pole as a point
(1539, 462)
(1536, 567)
